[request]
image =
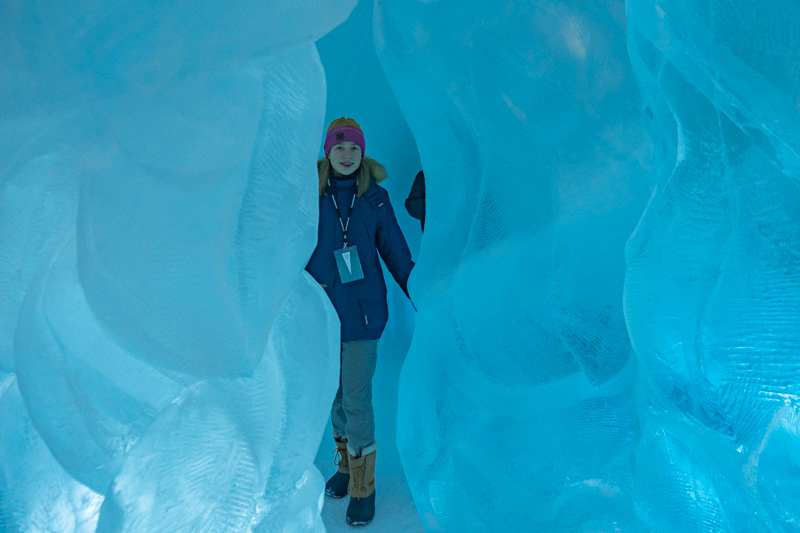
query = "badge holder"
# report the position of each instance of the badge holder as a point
(347, 260)
(349, 264)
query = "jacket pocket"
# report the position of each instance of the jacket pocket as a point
(374, 313)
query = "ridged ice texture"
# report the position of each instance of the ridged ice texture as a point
(712, 292)
(165, 362)
(516, 407)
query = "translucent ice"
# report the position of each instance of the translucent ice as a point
(160, 348)
(167, 364)
(521, 406)
(712, 292)
(516, 410)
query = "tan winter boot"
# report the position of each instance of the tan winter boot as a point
(361, 489)
(336, 487)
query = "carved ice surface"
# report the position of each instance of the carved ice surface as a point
(608, 287)
(521, 404)
(712, 292)
(516, 400)
(165, 362)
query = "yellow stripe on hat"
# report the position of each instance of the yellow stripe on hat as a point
(344, 122)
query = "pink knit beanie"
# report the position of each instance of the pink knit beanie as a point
(344, 130)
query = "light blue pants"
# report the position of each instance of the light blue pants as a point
(352, 415)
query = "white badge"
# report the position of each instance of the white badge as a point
(349, 264)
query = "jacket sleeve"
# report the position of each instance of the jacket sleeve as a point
(392, 246)
(415, 203)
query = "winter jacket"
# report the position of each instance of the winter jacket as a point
(373, 229)
(415, 203)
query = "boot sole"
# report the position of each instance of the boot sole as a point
(352, 521)
(330, 486)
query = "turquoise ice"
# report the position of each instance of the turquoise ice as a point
(166, 362)
(608, 286)
(523, 406)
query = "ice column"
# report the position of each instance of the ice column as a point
(515, 407)
(712, 292)
(165, 362)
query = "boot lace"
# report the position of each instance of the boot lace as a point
(337, 456)
(358, 478)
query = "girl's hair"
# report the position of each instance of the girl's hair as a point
(363, 174)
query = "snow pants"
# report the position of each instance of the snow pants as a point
(352, 415)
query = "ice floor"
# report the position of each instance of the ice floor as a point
(394, 508)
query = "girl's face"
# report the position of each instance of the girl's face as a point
(345, 158)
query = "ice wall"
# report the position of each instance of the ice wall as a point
(165, 363)
(712, 292)
(516, 400)
(521, 405)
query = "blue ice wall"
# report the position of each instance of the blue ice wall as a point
(712, 291)
(165, 362)
(517, 408)
(521, 405)
(608, 286)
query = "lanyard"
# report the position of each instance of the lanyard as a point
(346, 224)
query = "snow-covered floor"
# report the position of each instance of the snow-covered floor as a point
(394, 508)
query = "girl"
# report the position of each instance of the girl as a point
(356, 223)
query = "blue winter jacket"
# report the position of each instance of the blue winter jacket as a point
(373, 229)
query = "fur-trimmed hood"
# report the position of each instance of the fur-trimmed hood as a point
(369, 170)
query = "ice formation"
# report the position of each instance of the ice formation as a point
(165, 362)
(516, 410)
(608, 286)
(712, 291)
(521, 405)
